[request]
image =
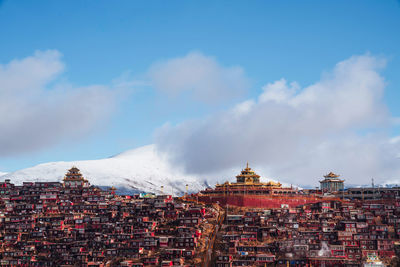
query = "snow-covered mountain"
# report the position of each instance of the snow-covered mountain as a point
(141, 169)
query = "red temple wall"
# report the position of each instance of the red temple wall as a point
(260, 201)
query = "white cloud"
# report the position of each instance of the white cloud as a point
(279, 91)
(294, 134)
(36, 110)
(200, 76)
(394, 140)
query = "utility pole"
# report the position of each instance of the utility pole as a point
(373, 189)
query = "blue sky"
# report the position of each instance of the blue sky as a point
(101, 42)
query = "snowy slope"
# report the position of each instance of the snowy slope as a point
(140, 169)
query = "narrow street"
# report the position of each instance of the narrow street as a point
(212, 237)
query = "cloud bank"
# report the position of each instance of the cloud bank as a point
(297, 134)
(38, 110)
(199, 76)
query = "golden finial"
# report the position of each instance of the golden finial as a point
(247, 166)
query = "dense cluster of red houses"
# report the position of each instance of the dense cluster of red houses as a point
(329, 233)
(75, 224)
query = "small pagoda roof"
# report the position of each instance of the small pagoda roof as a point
(332, 175)
(74, 174)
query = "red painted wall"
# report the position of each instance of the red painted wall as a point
(260, 201)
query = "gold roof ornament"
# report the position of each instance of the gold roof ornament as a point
(272, 183)
(332, 175)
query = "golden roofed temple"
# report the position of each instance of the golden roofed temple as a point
(332, 183)
(248, 176)
(249, 191)
(74, 178)
(248, 182)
